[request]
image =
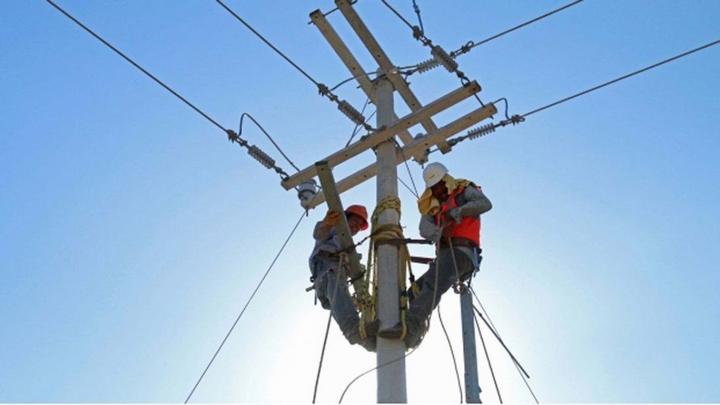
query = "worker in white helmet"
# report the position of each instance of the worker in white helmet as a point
(451, 210)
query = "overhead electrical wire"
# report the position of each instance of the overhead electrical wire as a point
(516, 119)
(240, 128)
(327, 327)
(357, 126)
(452, 353)
(419, 17)
(487, 356)
(414, 190)
(255, 152)
(237, 319)
(439, 55)
(268, 43)
(645, 69)
(470, 45)
(132, 62)
(346, 108)
(492, 326)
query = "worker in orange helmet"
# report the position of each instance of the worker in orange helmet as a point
(451, 210)
(330, 281)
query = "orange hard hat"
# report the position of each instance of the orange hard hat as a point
(360, 211)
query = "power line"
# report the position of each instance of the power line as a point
(240, 126)
(439, 55)
(487, 356)
(132, 62)
(408, 188)
(470, 45)
(516, 119)
(255, 152)
(357, 126)
(499, 339)
(492, 326)
(452, 353)
(419, 17)
(245, 307)
(700, 48)
(268, 43)
(400, 16)
(414, 190)
(327, 327)
(344, 107)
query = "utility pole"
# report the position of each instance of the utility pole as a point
(391, 381)
(391, 377)
(472, 385)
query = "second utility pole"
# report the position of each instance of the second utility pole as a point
(391, 381)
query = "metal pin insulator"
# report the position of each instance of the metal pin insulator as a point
(444, 58)
(261, 157)
(352, 113)
(480, 131)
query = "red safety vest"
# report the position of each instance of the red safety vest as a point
(468, 228)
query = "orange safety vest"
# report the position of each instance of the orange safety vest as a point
(468, 228)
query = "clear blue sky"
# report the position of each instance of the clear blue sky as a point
(132, 232)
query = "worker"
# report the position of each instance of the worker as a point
(330, 280)
(450, 210)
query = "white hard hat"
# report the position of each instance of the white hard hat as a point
(433, 173)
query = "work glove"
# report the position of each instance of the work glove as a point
(331, 218)
(454, 214)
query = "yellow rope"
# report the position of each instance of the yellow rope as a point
(380, 234)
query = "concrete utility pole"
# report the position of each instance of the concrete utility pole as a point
(391, 382)
(391, 378)
(472, 386)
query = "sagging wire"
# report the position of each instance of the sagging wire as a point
(227, 335)
(452, 353)
(327, 327)
(492, 325)
(502, 343)
(346, 108)
(253, 150)
(487, 356)
(363, 74)
(256, 153)
(240, 129)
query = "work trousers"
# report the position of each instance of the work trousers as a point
(332, 292)
(443, 270)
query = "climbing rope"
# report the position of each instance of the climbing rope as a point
(383, 234)
(341, 263)
(412, 350)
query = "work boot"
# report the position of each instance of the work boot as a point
(416, 329)
(369, 343)
(393, 332)
(371, 327)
